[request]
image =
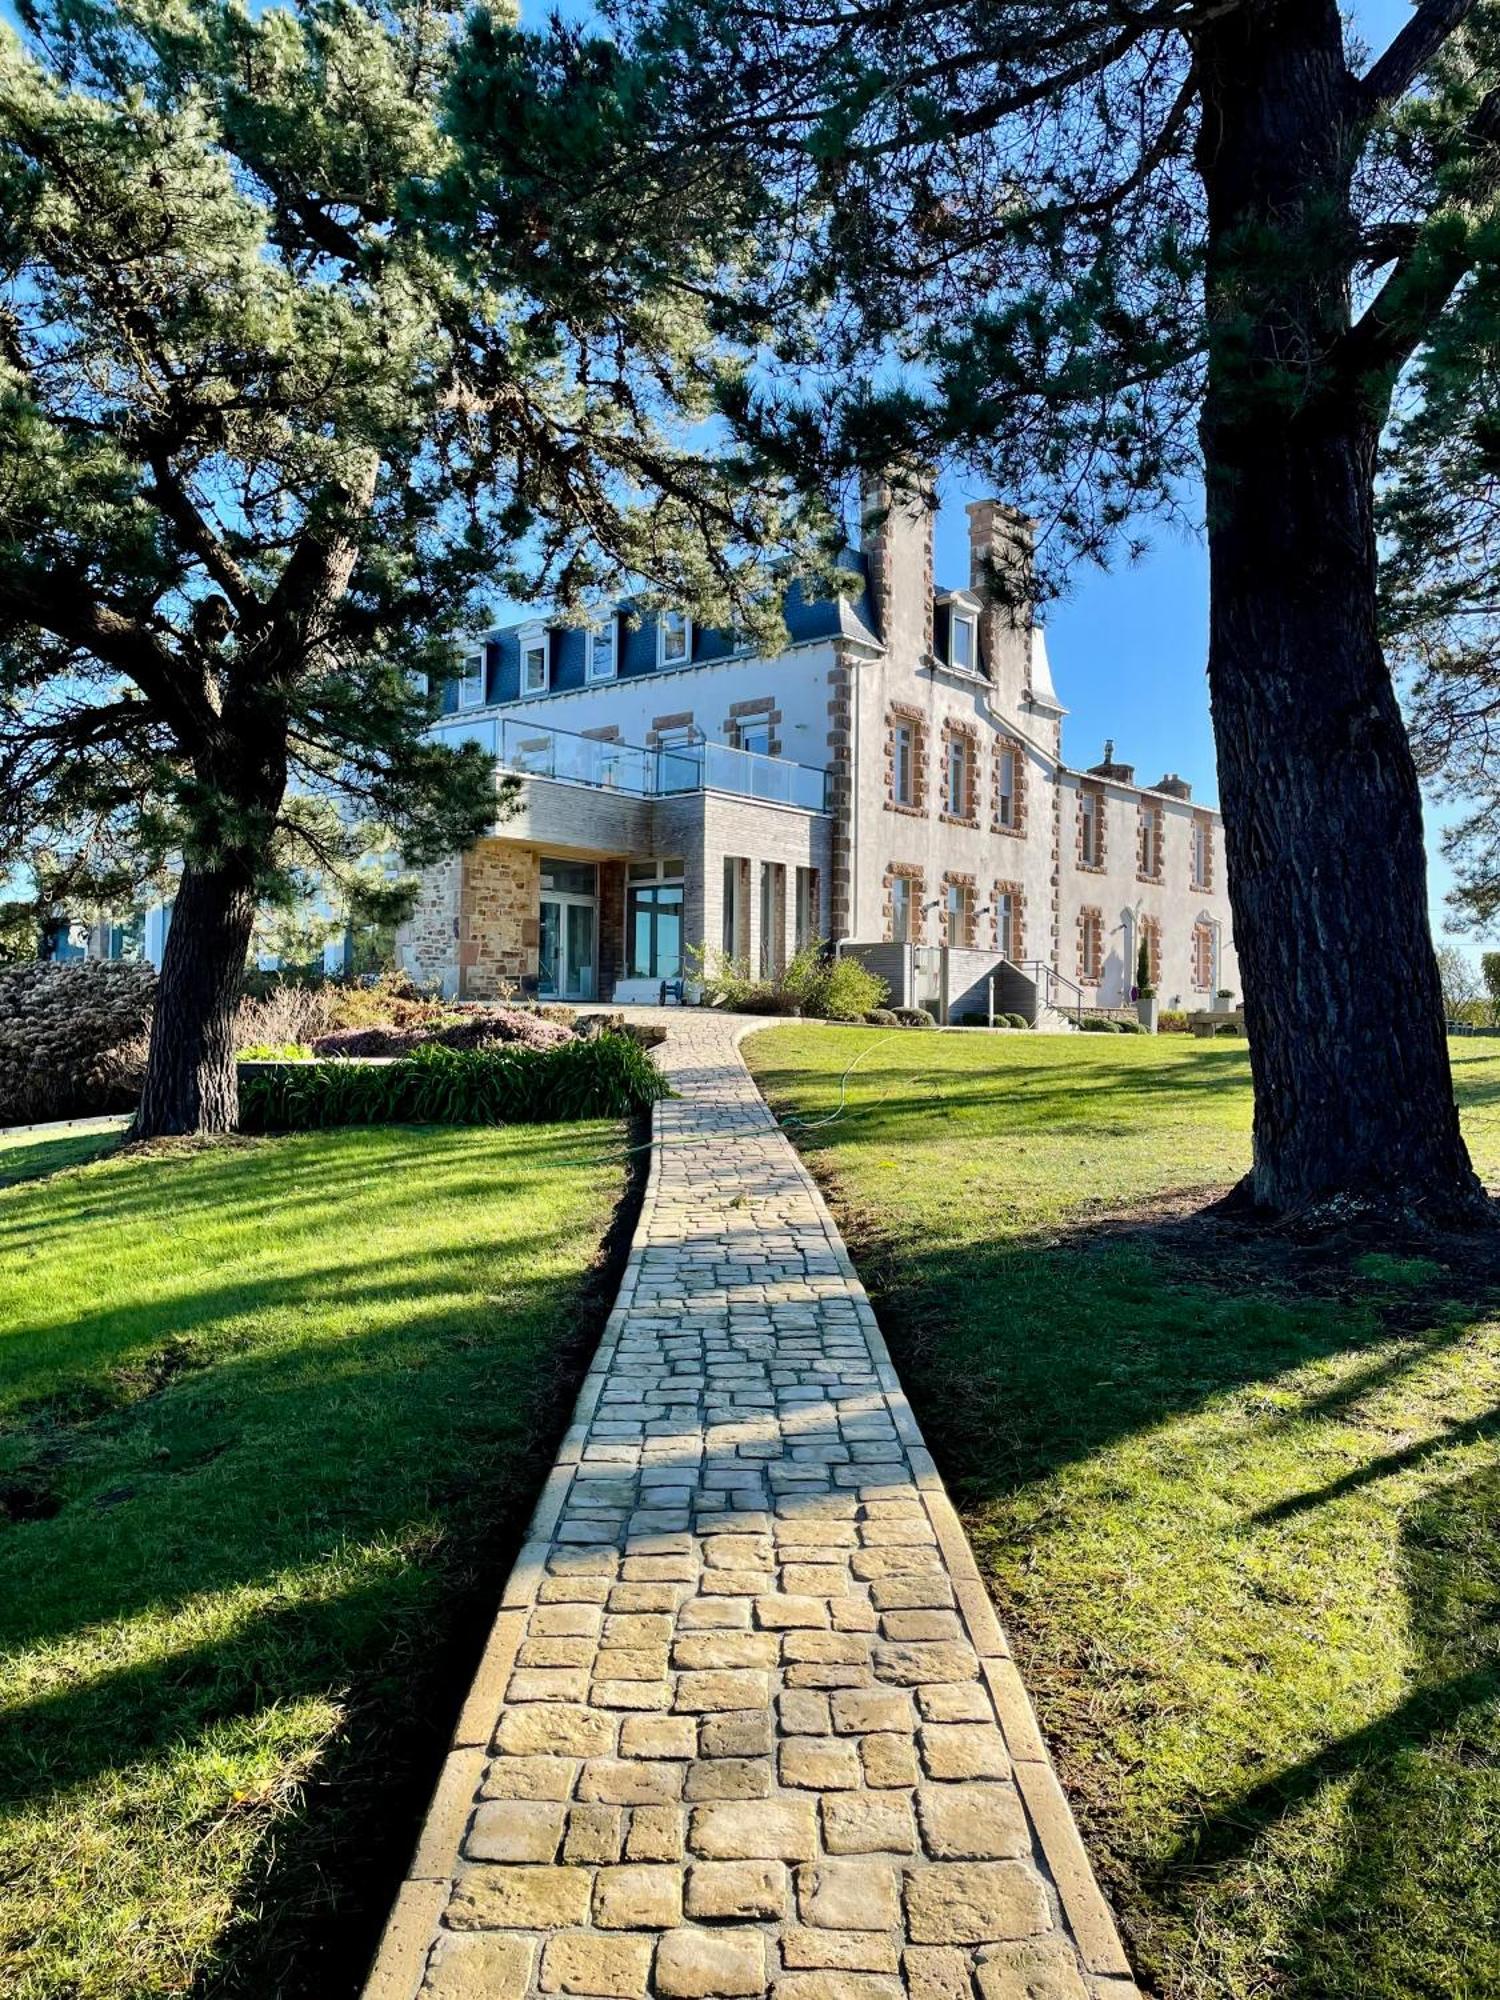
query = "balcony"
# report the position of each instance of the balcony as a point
(534, 750)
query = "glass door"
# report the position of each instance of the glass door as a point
(565, 956)
(578, 951)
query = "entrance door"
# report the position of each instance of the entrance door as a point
(566, 955)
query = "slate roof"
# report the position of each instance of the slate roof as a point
(807, 620)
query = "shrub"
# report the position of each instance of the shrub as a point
(607, 1077)
(812, 983)
(1015, 1020)
(880, 1017)
(474, 1028)
(1098, 1024)
(275, 1052)
(914, 1017)
(844, 991)
(1174, 1022)
(1130, 1027)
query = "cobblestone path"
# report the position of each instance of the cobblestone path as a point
(746, 1724)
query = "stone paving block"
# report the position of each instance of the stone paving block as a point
(530, 1778)
(848, 1895)
(711, 1965)
(529, 1899)
(515, 1830)
(742, 1890)
(470, 1966)
(937, 1972)
(654, 1834)
(1037, 1969)
(848, 1951)
(962, 1750)
(974, 1902)
(972, 1822)
(762, 1830)
(820, 1764)
(861, 1823)
(606, 1968)
(837, 1986)
(637, 1897)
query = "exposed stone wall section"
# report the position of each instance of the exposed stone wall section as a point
(747, 1724)
(499, 921)
(72, 1038)
(427, 943)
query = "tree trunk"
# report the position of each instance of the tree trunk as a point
(191, 1084)
(1354, 1105)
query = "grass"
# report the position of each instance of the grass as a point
(1240, 1505)
(272, 1413)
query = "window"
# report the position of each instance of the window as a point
(730, 937)
(958, 785)
(963, 650)
(603, 642)
(903, 765)
(1005, 787)
(1203, 854)
(1203, 956)
(674, 639)
(1006, 931)
(653, 919)
(960, 913)
(807, 907)
(755, 736)
(903, 910)
(1091, 830)
(534, 660)
(471, 680)
(1090, 947)
(1151, 841)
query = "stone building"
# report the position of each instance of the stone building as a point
(892, 780)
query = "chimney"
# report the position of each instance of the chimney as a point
(896, 510)
(1001, 545)
(1123, 773)
(1173, 786)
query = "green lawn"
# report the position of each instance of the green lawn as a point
(272, 1413)
(1241, 1509)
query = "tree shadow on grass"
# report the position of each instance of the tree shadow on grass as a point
(403, 1454)
(1410, 1908)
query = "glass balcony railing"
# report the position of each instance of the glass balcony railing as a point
(533, 750)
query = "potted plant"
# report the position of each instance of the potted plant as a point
(1147, 1007)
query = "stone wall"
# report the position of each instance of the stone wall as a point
(499, 922)
(72, 1039)
(427, 943)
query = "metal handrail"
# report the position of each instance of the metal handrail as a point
(1050, 979)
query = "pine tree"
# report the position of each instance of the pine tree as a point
(318, 325)
(1094, 252)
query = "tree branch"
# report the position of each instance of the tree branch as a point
(1411, 51)
(1421, 284)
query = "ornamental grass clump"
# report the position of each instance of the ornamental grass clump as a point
(609, 1077)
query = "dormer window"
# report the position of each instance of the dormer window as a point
(603, 641)
(674, 639)
(535, 660)
(471, 680)
(963, 641)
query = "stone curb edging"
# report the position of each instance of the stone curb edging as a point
(401, 1958)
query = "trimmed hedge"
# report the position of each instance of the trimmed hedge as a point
(607, 1077)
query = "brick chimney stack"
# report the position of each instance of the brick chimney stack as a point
(897, 510)
(1173, 786)
(1001, 550)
